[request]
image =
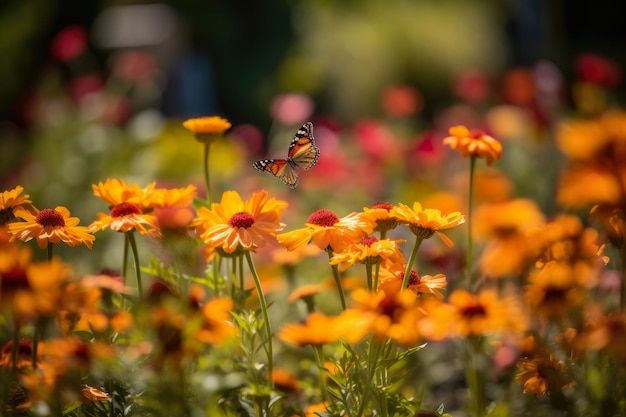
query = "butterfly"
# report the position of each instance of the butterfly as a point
(302, 154)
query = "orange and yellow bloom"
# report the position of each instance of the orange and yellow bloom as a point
(474, 143)
(207, 128)
(426, 222)
(235, 224)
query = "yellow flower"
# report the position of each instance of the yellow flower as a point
(381, 213)
(544, 375)
(391, 282)
(130, 207)
(10, 201)
(234, 224)
(207, 128)
(474, 143)
(51, 226)
(328, 231)
(369, 251)
(426, 222)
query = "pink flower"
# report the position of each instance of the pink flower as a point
(292, 109)
(69, 43)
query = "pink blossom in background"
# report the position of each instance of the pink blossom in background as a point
(133, 66)
(85, 85)
(292, 108)
(376, 140)
(595, 69)
(69, 43)
(402, 101)
(472, 86)
(250, 136)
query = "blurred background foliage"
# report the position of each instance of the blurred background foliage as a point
(98, 89)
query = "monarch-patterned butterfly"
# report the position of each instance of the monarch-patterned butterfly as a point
(302, 154)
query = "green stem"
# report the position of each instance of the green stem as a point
(474, 375)
(376, 274)
(207, 181)
(266, 318)
(50, 245)
(318, 352)
(133, 247)
(470, 242)
(409, 264)
(337, 278)
(368, 275)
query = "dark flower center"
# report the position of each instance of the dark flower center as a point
(414, 278)
(25, 348)
(555, 294)
(6, 216)
(323, 217)
(475, 310)
(368, 240)
(14, 279)
(476, 133)
(383, 205)
(49, 217)
(125, 209)
(388, 307)
(241, 220)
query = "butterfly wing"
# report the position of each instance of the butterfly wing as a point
(302, 150)
(280, 168)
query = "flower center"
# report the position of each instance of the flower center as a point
(323, 217)
(241, 220)
(388, 307)
(475, 310)
(383, 205)
(125, 209)
(49, 217)
(14, 279)
(414, 278)
(368, 240)
(476, 133)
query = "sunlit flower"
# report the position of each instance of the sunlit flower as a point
(329, 231)
(426, 222)
(474, 143)
(217, 326)
(130, 207)
(12, 201)
(541, 376)
(369, 251)
(505, 227)
(555, 290)
(391, 282)
(234, 224)
(467, 314)
(208, 128)
(381, 213)
(313, 410)
(319, 329)
(395, 316)
(51, 226)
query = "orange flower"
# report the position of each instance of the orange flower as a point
(474, 143)
(91, 394)
(426, 222)
(131, 205)
(217, 326)
(51, 226)
(541, 376)
(328, 231)
(207, 128)
(381, 213)
(369, 251)
(10, 201)
(391, 282)
(467, 314)
(319, 329)
(237, 225)
(173, 207)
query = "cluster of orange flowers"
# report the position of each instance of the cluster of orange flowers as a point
(533, 296)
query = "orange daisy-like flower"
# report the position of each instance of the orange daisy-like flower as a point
(173, 207)
(541, 376)
(319, 329)
(391, 282)
(51, 226)
(328, 231)
(473, 143)
(426, 222)
(217, 326)
(234, 224)
(130, 207)
(207, 128)
(381, 213)
(12, 200)
(467, 314)
(369, 251)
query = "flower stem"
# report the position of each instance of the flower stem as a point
(409, 264)
(318, 352)
(376, 274)
(50, 251)
(622, 252)
(133, 247)
(266, 318)
(474, 376)
(207, 147)
(470, 242)
(335, 269)
(368, 275)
